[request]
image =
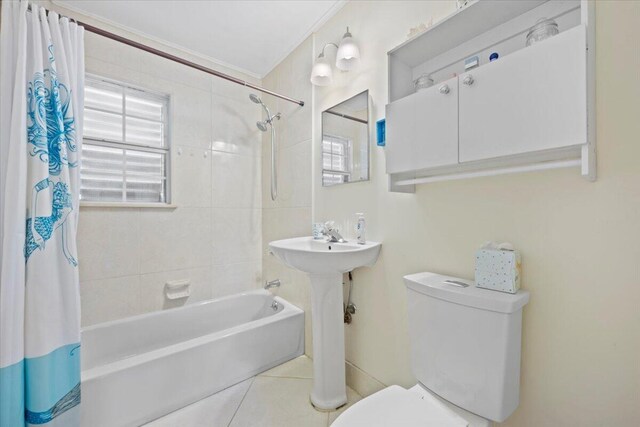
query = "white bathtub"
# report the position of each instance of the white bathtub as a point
(137, 369)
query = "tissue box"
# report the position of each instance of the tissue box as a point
(498, 270)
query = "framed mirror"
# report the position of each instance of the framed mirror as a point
(345, 141)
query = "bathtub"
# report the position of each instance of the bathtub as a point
(137, 369)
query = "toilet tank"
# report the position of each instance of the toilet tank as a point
(465, 342)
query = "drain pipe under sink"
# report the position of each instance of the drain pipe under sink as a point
(350, 308)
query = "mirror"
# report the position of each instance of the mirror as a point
(345, 141)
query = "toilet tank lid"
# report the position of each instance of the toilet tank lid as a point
(436, 286)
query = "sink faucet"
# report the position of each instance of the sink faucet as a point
(332, 233)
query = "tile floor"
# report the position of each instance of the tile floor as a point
(276, 398)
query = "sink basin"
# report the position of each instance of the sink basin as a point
(325, 263)
(320, 257)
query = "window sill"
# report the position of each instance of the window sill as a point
(127, 205)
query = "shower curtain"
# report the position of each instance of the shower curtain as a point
(41, 103)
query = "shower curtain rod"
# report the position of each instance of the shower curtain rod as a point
(179, 60)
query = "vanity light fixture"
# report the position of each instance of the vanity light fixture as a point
(322, 73)
(348, 56)
(347, 59)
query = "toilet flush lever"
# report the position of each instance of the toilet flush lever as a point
(456, 283)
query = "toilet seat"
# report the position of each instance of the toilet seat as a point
(397, 407)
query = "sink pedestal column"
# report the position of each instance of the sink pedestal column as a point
(329, 384)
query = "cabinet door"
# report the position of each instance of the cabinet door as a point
(400, 132)
(422, 129)
(436, 128)
(531, 100)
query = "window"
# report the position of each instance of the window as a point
(125, 151)
(336, 158)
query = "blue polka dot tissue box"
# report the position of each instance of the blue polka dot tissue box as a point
(498, 267)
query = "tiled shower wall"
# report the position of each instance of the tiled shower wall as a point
(290, 214)
(213, 236)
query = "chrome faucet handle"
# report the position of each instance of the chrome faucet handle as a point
(332, 233)
(272, 284)
(335, 236)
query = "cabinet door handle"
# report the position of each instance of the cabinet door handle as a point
(444, 89)
(468, 80)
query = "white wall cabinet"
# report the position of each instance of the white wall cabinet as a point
(425, 126)
(532, 109)
(400, 155)
(533, 100)
(437, 125)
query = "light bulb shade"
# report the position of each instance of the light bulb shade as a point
(321, 73)
(348, 56)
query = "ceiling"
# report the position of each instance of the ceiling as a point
(247, 35)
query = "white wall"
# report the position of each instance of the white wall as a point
(214, 235)
(581, 332)
(290, 214)
(579, 240)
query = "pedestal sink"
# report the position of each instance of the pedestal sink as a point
(325, 263)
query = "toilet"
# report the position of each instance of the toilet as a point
(465, 354)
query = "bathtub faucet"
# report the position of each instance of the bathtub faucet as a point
(272, 284)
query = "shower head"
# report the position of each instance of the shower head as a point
(262, 126)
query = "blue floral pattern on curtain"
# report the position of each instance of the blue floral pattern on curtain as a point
(41, 136)
(51, 132)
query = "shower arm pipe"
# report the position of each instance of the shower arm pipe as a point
(179, 60)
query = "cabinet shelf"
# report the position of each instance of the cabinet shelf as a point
(531, 109)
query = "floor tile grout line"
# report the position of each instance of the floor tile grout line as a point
(286, 376)
(253, 379)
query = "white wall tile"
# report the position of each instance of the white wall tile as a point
(108, 243)
(126, 255)
(228, 279)
(295, 176)
(109, 299)
(190, 116)
(191, 175)
(301, 63)
(235, 181)
(152, 285)
(283, 223)
(298, 127)
(234, 126)
(175, 239)
(101, 68)
(238, 236)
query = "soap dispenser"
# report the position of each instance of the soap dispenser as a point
(360, 229)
